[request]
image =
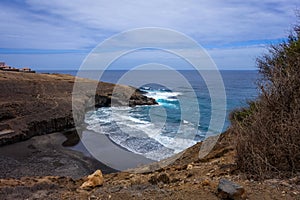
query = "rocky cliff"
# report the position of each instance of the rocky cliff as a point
(35, 104)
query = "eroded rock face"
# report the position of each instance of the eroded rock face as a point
(35, 104)
(94, 180)
(230, 190)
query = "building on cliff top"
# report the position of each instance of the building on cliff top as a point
(9, 68)
(5, 67)
(27, 69)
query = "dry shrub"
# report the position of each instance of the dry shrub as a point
(268, 131)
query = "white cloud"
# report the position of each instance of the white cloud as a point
(209, 21)
(82, 24)
(22, 29)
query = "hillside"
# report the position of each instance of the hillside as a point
(36, 104)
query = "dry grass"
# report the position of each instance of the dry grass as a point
(268, 132)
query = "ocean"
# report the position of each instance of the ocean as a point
(162, 130)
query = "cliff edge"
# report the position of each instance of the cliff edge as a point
(36, 104)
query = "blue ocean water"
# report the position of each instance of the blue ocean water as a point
(160, 131)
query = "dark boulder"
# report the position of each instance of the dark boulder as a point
(230, 190)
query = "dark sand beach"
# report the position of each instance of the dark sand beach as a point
(105, 150)
(44, 156)
(48, 155)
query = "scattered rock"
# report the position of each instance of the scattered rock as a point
(295, 180)
(189, 175)
(206, 182)
(189, 166)
(230, 190)
(164, 178)
(92, 197)
(93, 180)
(286, 184)
(115, 189)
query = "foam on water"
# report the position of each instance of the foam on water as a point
(162, 96)
(132, 128)
(139, 129)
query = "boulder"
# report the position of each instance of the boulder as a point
(230, 190)
(93, 180)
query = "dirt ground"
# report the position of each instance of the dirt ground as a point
(187, 178)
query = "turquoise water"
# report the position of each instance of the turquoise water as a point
(160, 131)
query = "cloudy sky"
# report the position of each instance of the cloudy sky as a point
(59, 34)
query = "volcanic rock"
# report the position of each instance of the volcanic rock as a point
(36, 104)
(230, 190)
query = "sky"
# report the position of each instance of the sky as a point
(58, 35)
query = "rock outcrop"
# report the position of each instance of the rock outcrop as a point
(35, 104)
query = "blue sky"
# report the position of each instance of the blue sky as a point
(59, 34)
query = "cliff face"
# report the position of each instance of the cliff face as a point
(35, 104)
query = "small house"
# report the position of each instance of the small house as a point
(27, 69)
(9, 68)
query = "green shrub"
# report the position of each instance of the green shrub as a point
(240, 114)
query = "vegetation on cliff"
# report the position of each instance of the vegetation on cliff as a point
(268, 131)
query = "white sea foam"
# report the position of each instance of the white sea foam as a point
(128, 128)
(163, 95)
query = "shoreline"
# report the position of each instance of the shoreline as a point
(108, 152)
(35, 111)
(66, 154)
